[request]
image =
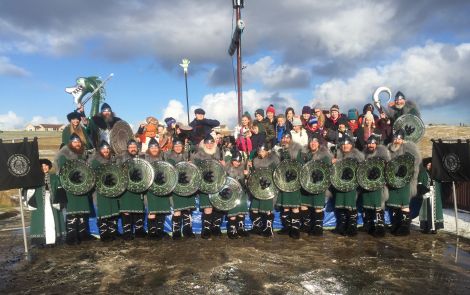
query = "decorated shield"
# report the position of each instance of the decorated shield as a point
(111, 180)
(212, 176)
(371, 174)
(140, 173)
(344, 177)
(228, 197)
(189, 179)
(165, 179)
(412, 125)
(315, 176)
(400, 170)
(77, 177)
(261, 184)
(287, 175)
(120, 134)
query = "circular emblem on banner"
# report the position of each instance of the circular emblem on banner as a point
(18, 165)
(451, 162)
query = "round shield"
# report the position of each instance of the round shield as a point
(261, 184)
(315, 176)
(371, 174)
(165, 179)
(140, 173)
(189, 179)
(111, 180)
(412, 125)
(228, 197)
(120, 134)
(286, 175)
(400, 170)
(344, 177)
(212, 176)
(77, 177)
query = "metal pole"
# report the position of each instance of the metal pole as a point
(187, 97)
(23, 225)
(455, 209)
(239, 71)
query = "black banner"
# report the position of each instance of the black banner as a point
(451, 161)
(19, 165)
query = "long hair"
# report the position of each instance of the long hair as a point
(79, 132)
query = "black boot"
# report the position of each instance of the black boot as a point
(241, 226)
(112, 227)
(206, 225)
(139, 230)
(232, 229)
(217, 218)
(188, 225)
(380, 224)
(404, 228)
(317, 229)
(396, 220)
(83, 232)
(295, 225)
(72, 230)
(268, 228)
(341, 221)
(256, 223)
(127, 227)
(286, 223)
(176, 227)
(160, 220)
(104, 230)
(369, 224)
(352, 223)
(152, 228)
(306, 222)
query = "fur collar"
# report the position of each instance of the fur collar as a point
(354, 154)
(321, 153)
(412, 148)
(381, 151)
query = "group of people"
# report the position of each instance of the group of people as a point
(262, 142)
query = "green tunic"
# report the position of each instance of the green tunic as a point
(347, 200)
(290, 199)
(264, 206)
(399, 197)
(130, 202)
(37, 229)
(157, 204)
(238, 174)
(107, 207)
(180, 202)
(436, 189)
(372, 199)
(201, 155)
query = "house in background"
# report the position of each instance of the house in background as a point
(45, 127)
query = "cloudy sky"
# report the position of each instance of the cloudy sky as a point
(296, 53)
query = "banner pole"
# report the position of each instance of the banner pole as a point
(455, 209)
(23, 225)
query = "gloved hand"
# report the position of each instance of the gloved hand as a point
(401, 172)
(135, 175)
(374, 174)
(183, 178)
(226, 193)
(159, 178)
(208, 176)
(109, 180)
(291, 175)
(76, 177)
(348, 174)
(317, 176)
(409, 129)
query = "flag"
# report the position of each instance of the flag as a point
(19, 165)
(451, 161)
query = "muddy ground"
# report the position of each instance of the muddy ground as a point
(418, 264)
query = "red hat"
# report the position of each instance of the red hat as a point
(271, 109)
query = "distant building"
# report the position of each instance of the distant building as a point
(45, 127)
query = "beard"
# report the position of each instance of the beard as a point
(76, 150)
(395, 147)
(108, 118)
(399, 106)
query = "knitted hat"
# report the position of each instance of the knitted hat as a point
(169, 121)
(352, 114)
(106, 108)
(368, 116)
(74, 115)
(296, 122)
(313, 120)
(199, 111)
(271, 109)
(306, 110)
(334, 107)
(260, 112)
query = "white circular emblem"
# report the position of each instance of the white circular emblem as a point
(18, 165)
(451, 162)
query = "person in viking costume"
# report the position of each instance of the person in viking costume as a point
(289, 201)
(373, 202)
(236, 216)
(78, 207)
(108, 208)
(262, 215)
(312, 205)
(211, 219)
(45, 203)
(101, 125)
(401, 106)
(158, 206)
(131, 205)
(345, 202)
(76, 127)
(146, 132)
(201, 126)
(182, 206)
(399, 198)
(431, 217)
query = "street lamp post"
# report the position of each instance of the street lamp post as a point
(185, 65)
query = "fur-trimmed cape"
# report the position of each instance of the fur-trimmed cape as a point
(412, 148)
(67, 153)
(354, 153)
(410, 107)
(380, 152)
(323, 152)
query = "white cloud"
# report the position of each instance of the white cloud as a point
(176, 110)
(432, 75)
(11, 121)
(9, 69)
(45, 120)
